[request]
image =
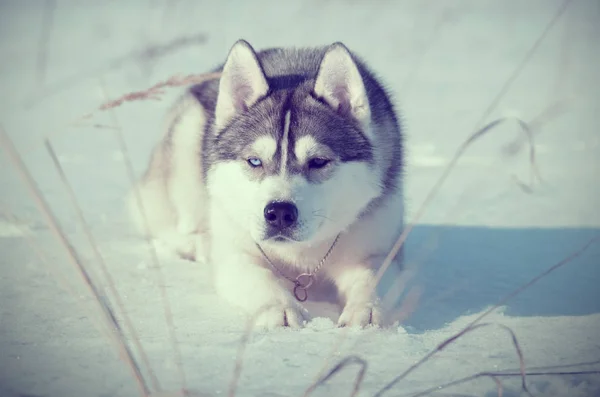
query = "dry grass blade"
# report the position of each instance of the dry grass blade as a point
(345, 362)
(487, 312)
(408, 306)
(446, 16)
(497, 376)
(53, 271)
(153, 92)
(403, 236)
(580, 364)
(532, 50)
(45, 34)
(102, 264)
(515, 342)
(239, 361)
(480, 131)
(102, 305)
(149, 53)
(498, 385)
(552, 111)
(447, 171)
(244, 343)
(152, 250)
(537, 278)
(453, 339)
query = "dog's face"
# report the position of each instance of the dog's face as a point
(292, 166)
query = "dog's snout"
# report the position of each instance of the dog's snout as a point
(281, 214)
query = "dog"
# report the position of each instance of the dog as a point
(283, 173)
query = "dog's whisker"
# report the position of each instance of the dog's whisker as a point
(248, 209)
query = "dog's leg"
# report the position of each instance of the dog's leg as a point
(186, 188)
(187, 199)
(245, 284)
(362, 306)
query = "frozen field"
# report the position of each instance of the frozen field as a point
(483, 235)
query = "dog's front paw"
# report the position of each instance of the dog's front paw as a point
(186, 246)
(280, 315)
(361, 314)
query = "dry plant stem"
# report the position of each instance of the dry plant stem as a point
(150, 52)
(474, 136)
(346, 361)
(564, 60)
(478, 132)
(444, 18)
(459, 335)
(515, 342)
(552, 111)
(580, 364)
(473, 324)
(152, 250)
(102, 264)
(498, 375)
(447, 171)
(524, 62)
(58, 275)
(102, 305)
(400, 242)
(534, 280)
(242, 349)
(154, 92)
(239, 361)
(45, 33)
(498, 384)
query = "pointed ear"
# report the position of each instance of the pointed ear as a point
(340, 84)
(242, 83)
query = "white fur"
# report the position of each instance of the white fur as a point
(224, 218)
(242, 275)
(172, 198)
(242, 83)
(284, 147)
(340, 84)
(305, 147)
(265, 147)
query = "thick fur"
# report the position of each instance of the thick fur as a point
(311, 127)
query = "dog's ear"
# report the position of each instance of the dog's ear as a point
(242, 83)
(340, 84)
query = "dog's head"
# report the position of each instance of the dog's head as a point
(292, 165)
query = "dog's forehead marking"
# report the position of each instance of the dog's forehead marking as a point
(285, 142)
(265, 147)
(305, 146)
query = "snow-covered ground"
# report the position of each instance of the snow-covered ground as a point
(481, 237)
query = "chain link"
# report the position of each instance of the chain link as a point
(308, 277)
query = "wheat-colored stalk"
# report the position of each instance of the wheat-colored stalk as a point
(158, 90)
(101, 303)
(153, 93)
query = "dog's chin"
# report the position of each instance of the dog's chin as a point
(280, 238)
(291, 237)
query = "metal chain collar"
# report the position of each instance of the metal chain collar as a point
(304, 280)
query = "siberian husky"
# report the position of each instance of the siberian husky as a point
(283, 173)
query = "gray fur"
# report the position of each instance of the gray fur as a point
(289, 149)
(291, 74)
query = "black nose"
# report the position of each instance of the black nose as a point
(281, 214)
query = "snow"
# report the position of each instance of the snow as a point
(481, 237)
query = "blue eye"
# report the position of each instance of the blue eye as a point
(254, 162)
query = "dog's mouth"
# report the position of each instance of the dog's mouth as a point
(280, 238)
